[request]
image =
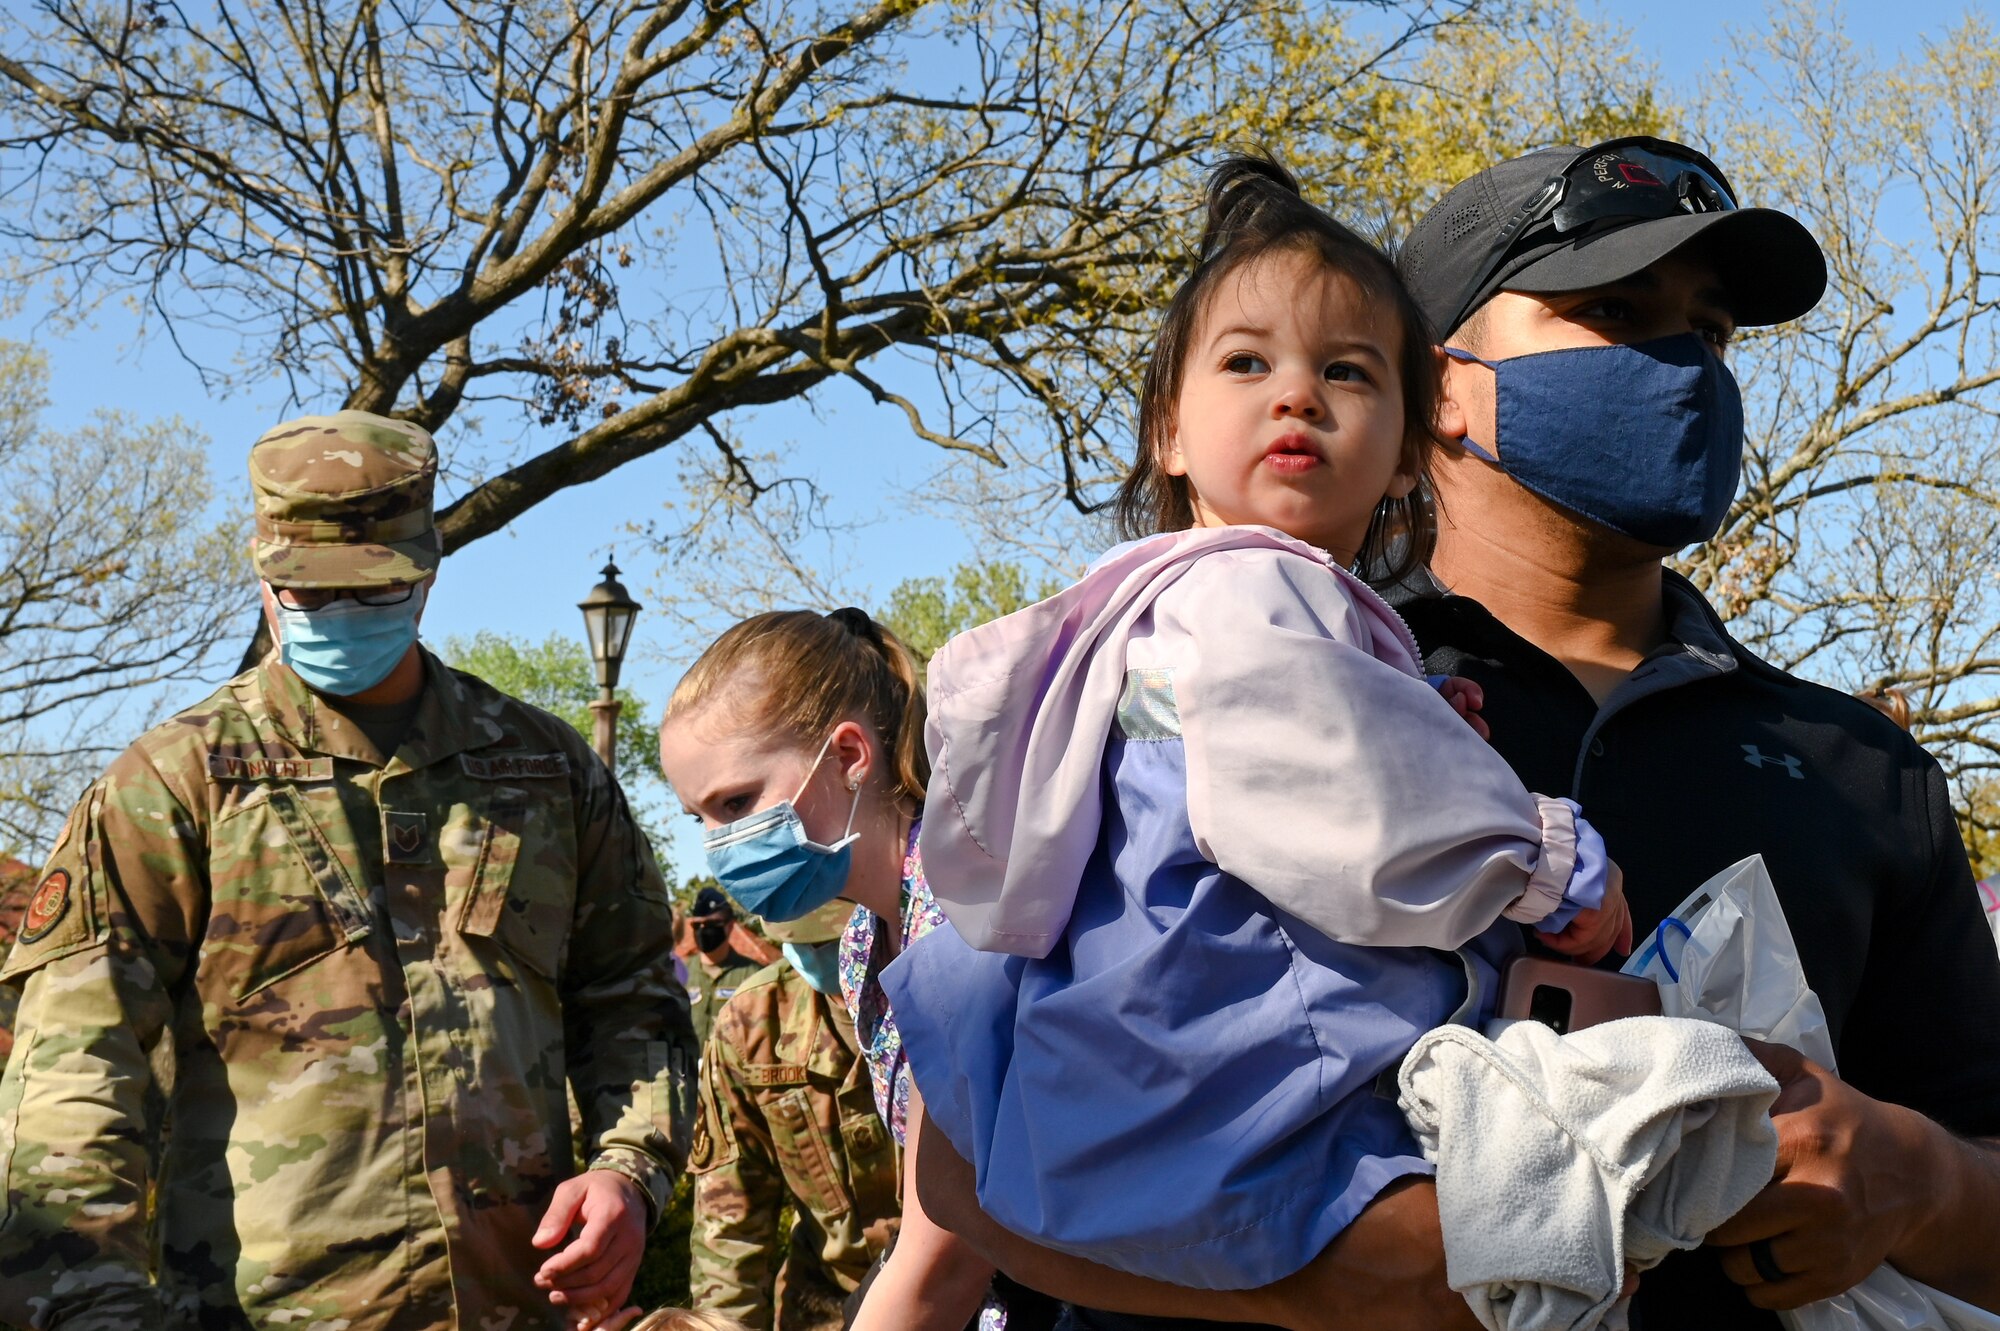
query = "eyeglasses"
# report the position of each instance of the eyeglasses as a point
(318, 598)
(1636, 177)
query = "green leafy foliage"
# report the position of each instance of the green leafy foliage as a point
(926, 612)
(556, 676)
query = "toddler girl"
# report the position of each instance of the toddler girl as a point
(1214, 851)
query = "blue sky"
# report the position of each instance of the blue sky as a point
(528, 578)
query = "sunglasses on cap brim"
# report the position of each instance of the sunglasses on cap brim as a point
(1630, 179)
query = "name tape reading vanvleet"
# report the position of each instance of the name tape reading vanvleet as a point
(230, 767)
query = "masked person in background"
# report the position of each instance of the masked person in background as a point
(391, 918)
(788, 1111)
(717, 969)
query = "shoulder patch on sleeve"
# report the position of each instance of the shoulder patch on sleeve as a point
(63, 914)
(46, 907)
(701, 1158)
(714, 1138)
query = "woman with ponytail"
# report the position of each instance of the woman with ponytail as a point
(797, 739)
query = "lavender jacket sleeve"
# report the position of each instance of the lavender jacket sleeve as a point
(1325, 772)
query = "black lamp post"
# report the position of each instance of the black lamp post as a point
(608, 613)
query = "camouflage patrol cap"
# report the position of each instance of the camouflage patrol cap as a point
(344, 501)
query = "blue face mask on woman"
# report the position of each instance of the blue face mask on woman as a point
(1644, 439)
(346, 647)
(768, 863)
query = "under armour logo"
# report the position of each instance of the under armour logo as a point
(1756, 757)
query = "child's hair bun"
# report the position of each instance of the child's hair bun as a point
(1246, 193)
(858, 622)
(1254, 208)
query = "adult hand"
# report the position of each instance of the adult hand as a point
(1849, 1187)
(596, 1268)
(594, 1321)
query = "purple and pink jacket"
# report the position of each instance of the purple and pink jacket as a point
(1214, 855)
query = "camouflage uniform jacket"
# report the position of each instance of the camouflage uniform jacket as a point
(375, 977)
(710, 987)
(786, 1107)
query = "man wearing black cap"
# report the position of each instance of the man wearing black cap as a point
(719, 969)
(1585, 298)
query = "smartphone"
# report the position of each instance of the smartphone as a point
(1569, 997)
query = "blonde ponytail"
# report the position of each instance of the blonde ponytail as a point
(803, 673)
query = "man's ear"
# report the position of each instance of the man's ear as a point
(269, 603)
(1451, 425)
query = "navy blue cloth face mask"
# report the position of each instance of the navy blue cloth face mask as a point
(769, 863)
(1644, 439)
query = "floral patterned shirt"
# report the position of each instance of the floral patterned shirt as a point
(864, 951)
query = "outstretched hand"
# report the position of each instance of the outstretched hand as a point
(596, 1268)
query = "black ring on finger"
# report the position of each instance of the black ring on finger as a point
(1767, 1265)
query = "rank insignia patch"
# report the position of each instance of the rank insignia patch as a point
(405, 837)
(46, 907)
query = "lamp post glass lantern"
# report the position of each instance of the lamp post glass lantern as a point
(608, 614)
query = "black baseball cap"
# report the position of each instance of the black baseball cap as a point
(710, 902)
(1565, 218)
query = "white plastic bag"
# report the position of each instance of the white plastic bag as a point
(1726, 955)
(1888, 1300)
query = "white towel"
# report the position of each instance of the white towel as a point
(1562, 1159)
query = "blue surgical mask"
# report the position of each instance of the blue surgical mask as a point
(819, 963)
(347, 647)
(1644, 439)
(773, 869)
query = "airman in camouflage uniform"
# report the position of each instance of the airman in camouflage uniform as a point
(786, 1108)
(717, 969)
(377, 975)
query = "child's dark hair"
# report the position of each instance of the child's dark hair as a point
(1255, 209)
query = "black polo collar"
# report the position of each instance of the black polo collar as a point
(1698, 648)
